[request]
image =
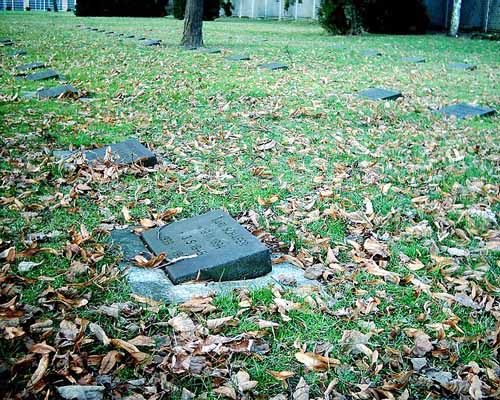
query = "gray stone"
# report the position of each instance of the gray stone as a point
(237, 57)
(30, 66)
(6, 42)
(109, 33)
(223, 249)
(273, 66)
(155, 284)
(371, 53)
(380, 94)
(463, 110)
(130, 37)
(94, 29)
(413, 60)
(43, 75)
(54, 92)
(210, 50)
(141, 38)
(128, 152)
(418, 363)
(152, 42)
(80, 392)
(464, 66)
(19, 52)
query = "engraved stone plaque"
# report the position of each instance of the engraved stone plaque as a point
(273, 66)
(64, 90)
(464, 66)
(19, 52)
(238, 57)
(371, 53)
(223, 250)
(43, 75)
(30, 66)
(380, 94)
(463, 110)
(6, 42)
(413, 60)
(128, 152)
(152, 42)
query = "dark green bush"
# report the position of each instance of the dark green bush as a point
(377, 16)
(211, 9)
(121, 8)
(395, 16)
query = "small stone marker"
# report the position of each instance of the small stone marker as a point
(20, 52)
(464, 66)
(6, 42)
(463, 110)
(109, 33)
(413, 60)
(380, 94)
(128, 152)
(152, 42)
(210, 50)
(224, 249)
(141, 38)
(43, 75)
(273, 66)
(28, 67)
(129, 36)
(371, 53)
(237, 57)
(54, 92)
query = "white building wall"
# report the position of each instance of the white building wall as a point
(271, 9)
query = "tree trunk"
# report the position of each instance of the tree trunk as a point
(455, 18)
(54, 5)
(193, 24)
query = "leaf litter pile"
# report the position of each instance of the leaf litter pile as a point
(392, 208)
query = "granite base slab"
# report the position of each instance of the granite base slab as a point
(155, 284)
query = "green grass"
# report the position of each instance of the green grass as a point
(206, 117)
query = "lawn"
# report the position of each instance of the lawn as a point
(392, 207)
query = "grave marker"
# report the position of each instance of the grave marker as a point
(413, 60)
(30, 66)
(55, 92)
(464, 66)
(43, 75)
(463, 110)
(237, 57)
(371, 53)
(274, 66)
(210, 50)
(128, 152)
(19, 52)
(6, 42)
(380, 94)
(129, 36)
(152, 42)
(223, 249)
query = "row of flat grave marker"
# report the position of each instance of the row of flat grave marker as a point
(460, 111)
(144, 40)
(204, 254)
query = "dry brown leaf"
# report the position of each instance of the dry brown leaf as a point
(182, 324)
(39, 373)
(316, 362)
(109, 362)
(282, 375)
(99, 333)
(42, 348)
(217, 323)
(301, 391)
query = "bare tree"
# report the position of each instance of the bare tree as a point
(455, 18)
(193, 24)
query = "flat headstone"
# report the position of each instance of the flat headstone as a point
(237, 57)
(109, 33)
(43, 75)
(464, 66)
(54, 92)
(413, 60)
(101, 30)
(210, 50)
(371, 53)
(19, 52)
(30, 66)
(380, 94)
(129, 36)
(154, 283)
(152, 42)
(6, 42)
(223, 249)
(463, 110)
(129, 152)
(273, 66)
(141, 38)
(94, 29)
